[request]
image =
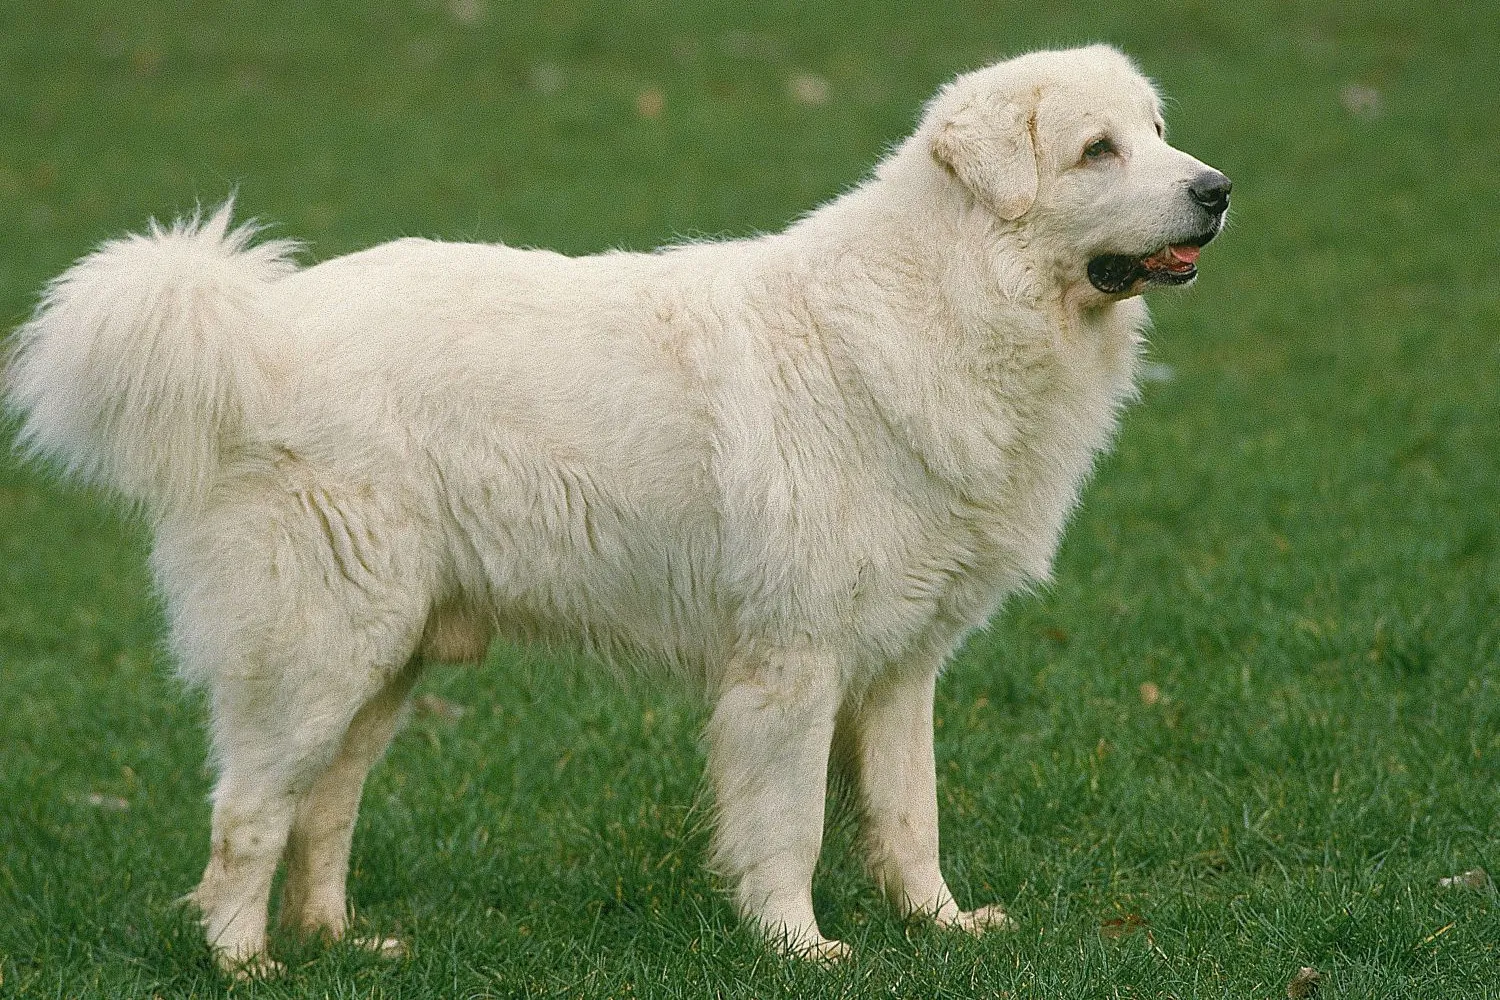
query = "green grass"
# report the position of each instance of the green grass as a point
(1296, 540)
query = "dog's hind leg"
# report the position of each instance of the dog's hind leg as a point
(317, 850)
(272, 739)
(293, 623)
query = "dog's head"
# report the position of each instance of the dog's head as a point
(1069, 149)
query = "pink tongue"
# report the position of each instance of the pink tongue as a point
(1186, 254)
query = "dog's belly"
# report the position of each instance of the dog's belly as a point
(587, 552)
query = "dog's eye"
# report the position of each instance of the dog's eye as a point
(1098, 148)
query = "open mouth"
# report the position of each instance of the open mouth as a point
(1174, 264)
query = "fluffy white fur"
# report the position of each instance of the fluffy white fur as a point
(796, 470)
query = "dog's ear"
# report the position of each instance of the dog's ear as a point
(988, 145)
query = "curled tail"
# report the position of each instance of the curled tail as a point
(150, 356)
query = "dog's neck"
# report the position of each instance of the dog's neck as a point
(998, 329)
(911, 215)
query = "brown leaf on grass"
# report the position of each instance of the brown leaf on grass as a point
(1438, 933)
(109, 803)
(1117, 927)
(1362, 101)
(439, 708)
(1155, 371)
(546, 78)
(1474, 878)
(808, 88)
(650, 103)
(1150, 693)
(1304, 984)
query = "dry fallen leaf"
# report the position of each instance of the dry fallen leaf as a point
(650, 103)
(1150, 693)
(1361, 101)
(1474, 878)
(109, 803)
(808, 88)
(546, 78)
(1118, 927)
(1156, 371)
(1304, 984)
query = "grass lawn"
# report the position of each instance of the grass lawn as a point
(1251, 726)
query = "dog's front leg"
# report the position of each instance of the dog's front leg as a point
(768, 743)
(894, 765)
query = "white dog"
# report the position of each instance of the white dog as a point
(796, 470)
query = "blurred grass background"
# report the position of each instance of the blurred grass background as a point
(1251, 726)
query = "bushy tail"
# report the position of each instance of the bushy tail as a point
(150, 356)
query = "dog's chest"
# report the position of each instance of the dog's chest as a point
(978, 540)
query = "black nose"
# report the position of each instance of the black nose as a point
(1211, 190)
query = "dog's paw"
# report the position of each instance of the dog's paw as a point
(824, 951)
(984, 918)
(384, 947)
(261, 966)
